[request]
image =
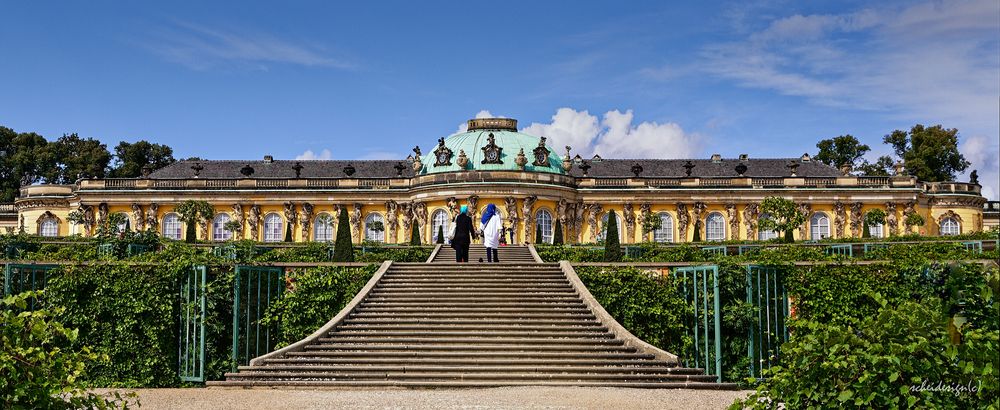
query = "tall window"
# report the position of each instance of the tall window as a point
(819, 226)
(715, 227)
(273, 227)
(440, 223)
(375, 228)
(544, 220)
(219, 231)
(950, 226)
(604, 226)
(875, 230)
(666, 231)
(323, 228)
(49, 227)
(172, 226)
(765, 235)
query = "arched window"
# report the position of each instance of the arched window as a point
(950, 226)
(715, 227)
(219, 231)
(440, 222)
(374, 228)
(323, 228)
(544, 220)
(49, 227)
(819, 226)
(125, 224)
(875, 230)
(172, 226)
(666, 231)
(765, 235)
(273, 227)
(604, 226)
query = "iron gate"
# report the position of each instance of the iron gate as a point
(704, 321)
(19, 278)
(767, 294)
(191, 349)
(254, 289)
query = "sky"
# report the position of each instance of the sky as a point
(370, 80)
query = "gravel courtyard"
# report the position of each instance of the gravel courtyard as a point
(496, 398)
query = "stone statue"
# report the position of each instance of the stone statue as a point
(254, 221)
(750, 214)
(734, 221)
(139, 217)
(391, 220)
(153, 216)
(839, 216)
(102, 212)
(683, 220)
(417, 165)
(453, 207)
(645, 209)
(628, 216)
(356, 222)
(305, 221)
(890, 218)
(527, 206)
(406, 212)
(907, 211)
(473, 207)
(805, 209)
(857, 219)
(20, 224)
(238, 218)
(463, 160)
(291, 216)
(578, 218)
(974, 177)
(420, 217)
(521, 160)
(561, 207)
(594, 213)
(510, 205)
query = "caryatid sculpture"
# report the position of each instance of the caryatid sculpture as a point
(291, 216)
(473, 206)
(840, 214)
(645, 209)
(594, 212)
(356, 222)
(907, 211)
(406, 212)
(806, 210)
(238, 218)
(305, 220)
(857, 219)
(510, 205)
(253, 219)
(734, 221)
(453, 207)
(683, 220)
(890, 218)
(139, 217)
(750, 213)
(391, 220)
(420, 217)
(153, 216)
(527, 206)
(628, 215)
(580, 210)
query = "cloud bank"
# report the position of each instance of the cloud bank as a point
(615, 135)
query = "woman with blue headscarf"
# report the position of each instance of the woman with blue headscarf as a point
(464, 234)
(491, 225)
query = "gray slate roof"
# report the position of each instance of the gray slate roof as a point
(608, 168)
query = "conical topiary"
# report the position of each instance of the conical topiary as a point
(697, 231)
(538, 233)
(343, 249)
(612, 247)
(288, 232)
(557, 236)
(415, 235)
(440, 238)
(866, 232)
(190, 234)
(788, 236)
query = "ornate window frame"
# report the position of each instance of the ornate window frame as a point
(273, 220)
(666, 232)
(715, 226)
(819, 226)
(219, 232)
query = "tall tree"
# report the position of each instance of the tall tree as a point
(130, 158)
(782, 216)
(25, 158)
(929, 153)
(612, 246)
(880, 168)
(343, 249)
(79, 157)
(841, 150)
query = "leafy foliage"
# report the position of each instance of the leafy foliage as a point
(415, 235)
(929, 153)
(557, 236)
(914, 219)
(193, 212)
(41, 364)
(343, 249)
(838, 151)
(782, 216)
(131, 158)
(612, 247)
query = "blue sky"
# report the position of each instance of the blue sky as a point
(643, 79)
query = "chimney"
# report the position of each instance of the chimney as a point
(716, 158)
(805, 157)
(744, 157)
(268, 159)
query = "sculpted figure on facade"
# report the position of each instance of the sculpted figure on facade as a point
(890, 218)
(645, 209)
(683, 220)
(840, 215)
(356, 222)
(750, 214)
(806, 210)
(907, 211)
(578, 217)
(857, 219)
(254, 221)
(238, 218)
(102, 212)
(305, 220)
(594, 213)
(510, 205)
(697, 211)
(291, 216)
(139, 217)
(734, 221)
(153, 216)
(87, 214)
(391, 220)
(420, 217)
(473, 206)
(628, 216)
(406, 212)
(561, 211)
(527, 206)
(453, 207)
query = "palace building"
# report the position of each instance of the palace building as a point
(532, 183)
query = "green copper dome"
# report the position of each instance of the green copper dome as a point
(491, 149)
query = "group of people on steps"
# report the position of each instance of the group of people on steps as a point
(490, 228)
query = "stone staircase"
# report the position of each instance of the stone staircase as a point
(426, 325)
(507, 254)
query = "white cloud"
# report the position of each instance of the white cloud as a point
(464, 126)
(984, 154)
(615, 136)
(199, 47)
(309, 155)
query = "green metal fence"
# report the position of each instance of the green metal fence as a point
(767, 294)
(973, 246)
(715, 250)
(254, 289)
(191, 346)
(869, 247)
(748, 249)
(700, 287)
(19, 278)
(844, 250)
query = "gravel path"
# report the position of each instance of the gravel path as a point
(496, 398)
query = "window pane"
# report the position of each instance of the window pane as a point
(666, 231)
(715, 227)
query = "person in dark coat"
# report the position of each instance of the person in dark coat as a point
(464, 234)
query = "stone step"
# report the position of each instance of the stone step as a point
(520, 298)
(487, 309)
(468, 292)
(418, 384)
(507, 279)
(496, 304)
(461, 322)
(480, 368)
(580, 333)
(593, 327)
(575, 360)
(481, 316)
(472, 340)
(466, 376)
(473, 286)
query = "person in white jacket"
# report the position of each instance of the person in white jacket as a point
(491, 226)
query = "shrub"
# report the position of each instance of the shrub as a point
(415, 235)
(343, 249)
(612, 247)
(557, 236)
(440, 235)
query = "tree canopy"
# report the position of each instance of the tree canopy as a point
(929, 153)
(131, 158)
(841, 150)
